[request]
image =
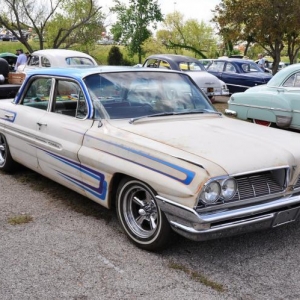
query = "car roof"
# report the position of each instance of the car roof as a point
(283, 73)
(57, 55)
(174, 57)
(62, 52)
(237, 60)
(81, 72)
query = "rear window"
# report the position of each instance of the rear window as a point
(191, 66)
(79, 61)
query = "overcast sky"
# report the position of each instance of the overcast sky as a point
(196, 9)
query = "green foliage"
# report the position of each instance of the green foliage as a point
(115, 57)
(179, 34)
(272, 24)
(55, 24)
(133, 22)
(79, 21)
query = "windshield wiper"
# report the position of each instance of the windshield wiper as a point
(132, 120)
(175, 113)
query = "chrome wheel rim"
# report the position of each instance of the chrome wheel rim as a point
(2, 150)
(140, 211)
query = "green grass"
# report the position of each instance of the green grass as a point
(198, 277)
(99, 52)
(19, 219)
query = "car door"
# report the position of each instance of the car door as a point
(63, 127)
(216, 68)
(22, 129)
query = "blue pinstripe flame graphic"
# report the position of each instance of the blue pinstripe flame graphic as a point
(98, 191)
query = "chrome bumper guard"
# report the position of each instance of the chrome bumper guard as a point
(230, 112)
(222, 223)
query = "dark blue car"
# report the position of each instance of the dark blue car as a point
(238, 74)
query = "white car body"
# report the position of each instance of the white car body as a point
(56, 58)
(208, 83)
(150, 143)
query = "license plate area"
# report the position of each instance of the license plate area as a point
(286, 216)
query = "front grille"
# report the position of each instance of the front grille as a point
(257, 185)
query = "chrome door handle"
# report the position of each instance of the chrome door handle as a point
(41, 124)
(9, 116)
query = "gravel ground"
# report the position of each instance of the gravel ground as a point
(56, 244)
(71, 248)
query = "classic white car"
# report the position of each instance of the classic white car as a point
(208, 83)
(59, 58)
(148, 142)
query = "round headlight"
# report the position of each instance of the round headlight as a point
(229, 187)
(211, 192)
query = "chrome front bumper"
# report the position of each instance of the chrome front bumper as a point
(221, 223)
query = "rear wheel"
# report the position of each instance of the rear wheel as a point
(142, 220)
(263, 123)
(6, 161)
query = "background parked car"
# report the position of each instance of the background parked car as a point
(6, 37)
(57, 58)
(206, 61)
(11, 58)
(238, 74)
(208, 83)
(276, 103)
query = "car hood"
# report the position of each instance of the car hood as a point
(235, 146)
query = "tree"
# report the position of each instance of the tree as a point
(133, 21)
(190, 34)
(115, 57)
(269, 23)
(58, 22)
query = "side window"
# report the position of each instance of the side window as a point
(293, 81)
(38, 93)
(164, 65)
(81, 110)
(290, 81)
(230, 68)
(45, 62)
(152, 63)
(217, 66)
(297, 80)
(69, 99)
(33, 61)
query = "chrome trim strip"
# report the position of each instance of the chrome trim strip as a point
(238, 85)
(240, 212)
(286, 167)
(223, 226)
(263, 107)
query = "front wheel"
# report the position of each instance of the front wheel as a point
(263, 123)
(142, 220)
(6, 162)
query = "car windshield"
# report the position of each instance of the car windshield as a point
(141, 94)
